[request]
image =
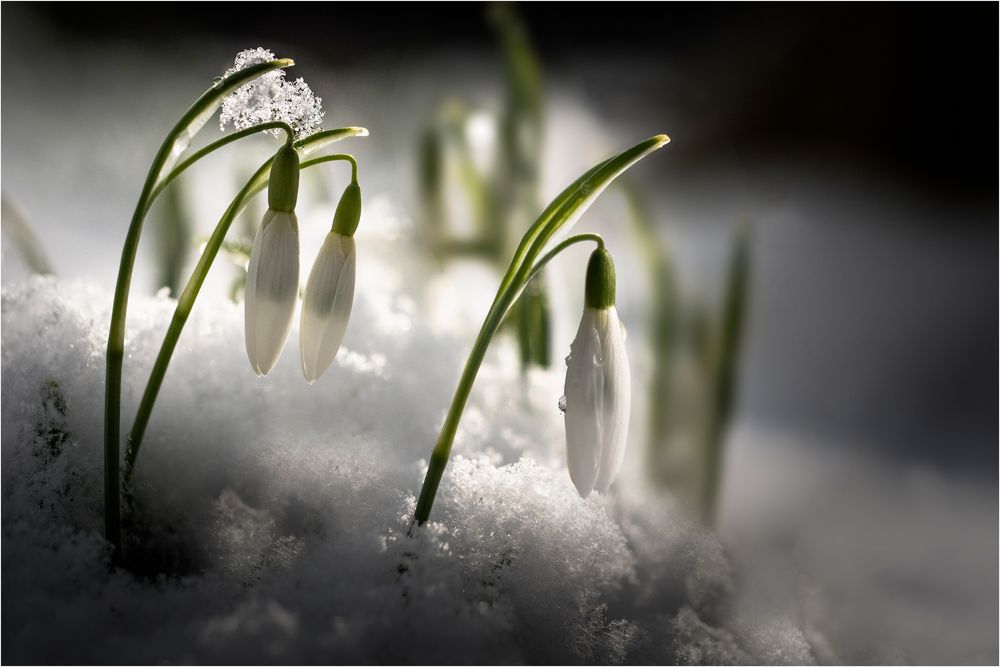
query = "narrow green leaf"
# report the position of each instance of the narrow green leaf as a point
(567, 208)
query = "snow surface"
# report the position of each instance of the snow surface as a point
(270, 518)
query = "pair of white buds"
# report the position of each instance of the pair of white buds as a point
(598, 392)
(273, 277)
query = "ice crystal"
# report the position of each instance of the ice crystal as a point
(270, 97)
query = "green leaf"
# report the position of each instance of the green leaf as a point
(568, 206)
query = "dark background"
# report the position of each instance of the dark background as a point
(910, 88)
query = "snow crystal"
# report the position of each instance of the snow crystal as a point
(251, 57)
(270, 97)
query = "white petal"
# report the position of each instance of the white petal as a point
(326, 308)
(272, 288)
(584, 389)
(617, 400)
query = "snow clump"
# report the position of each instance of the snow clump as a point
(270, 97)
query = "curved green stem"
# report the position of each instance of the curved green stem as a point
(187, 298)
(216, 145)
(547, 257)
(173, 145)
(540, 264)
(331, 158)
(564, 210)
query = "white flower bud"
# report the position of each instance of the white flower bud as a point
(272, 288)
(326, 307)
(597, 401)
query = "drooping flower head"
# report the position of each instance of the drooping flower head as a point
(329, 296)
(598, 390)
(270, 97)
(273, 273)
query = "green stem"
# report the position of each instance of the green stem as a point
(540, 264)
(216, 145)
(530, 311)
(187, 298)
(173, 145)
(576, 238)
(442, 449)
(331, 158)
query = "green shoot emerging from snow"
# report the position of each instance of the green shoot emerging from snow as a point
(559, 216)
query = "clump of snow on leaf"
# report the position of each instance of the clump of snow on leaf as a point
(266, 525)
(270, 97)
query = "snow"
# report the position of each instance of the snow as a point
(271, 518)
(270, 98)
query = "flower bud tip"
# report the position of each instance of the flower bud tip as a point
(599, 291)
(283, 186)
(348, 213)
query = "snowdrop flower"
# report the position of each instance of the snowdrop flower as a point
(329, 294)
(598, 385)
(273, 272)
